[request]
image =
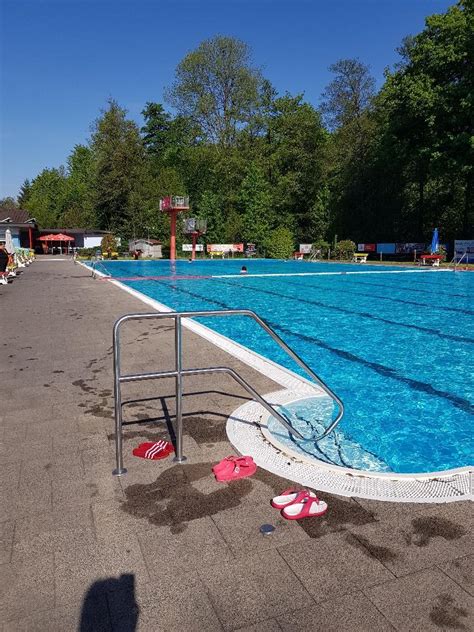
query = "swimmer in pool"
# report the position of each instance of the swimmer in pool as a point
(243, 270)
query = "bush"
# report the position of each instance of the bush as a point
(87, 252)
(280, 243)
(109, 242)
(345, 249)
(321, 248)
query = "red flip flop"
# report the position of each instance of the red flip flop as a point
(237, 469)
(153, 450)
(288, 497)
(228, 463)
(304, 506)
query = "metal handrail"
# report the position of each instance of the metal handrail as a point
(456, 263)
(178, 373)
(95, 264)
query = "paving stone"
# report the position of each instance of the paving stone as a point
(270, 625)
(390, 512)
(179, 603)
(240, 527)
(52, 531)
(23, 417)
(26, 587)
(333, 565)
(7, 529)
(417, 542)
(354, 612)
(77, 568)
(28, 498)
(94, 618)
(254, 588)
(66, 493)
(424, 601)
(171, 549)
(114, 524)
(10, 473)
(462, 571)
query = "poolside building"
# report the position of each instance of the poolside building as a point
(24, 230)
(150, 248)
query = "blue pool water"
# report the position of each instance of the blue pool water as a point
(397, 347)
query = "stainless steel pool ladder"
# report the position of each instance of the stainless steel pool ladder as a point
(96, 264)
(178, 373)
(456, 263)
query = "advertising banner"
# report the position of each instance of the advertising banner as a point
(386, 249)
(225, 247)
(306, 248)
(189, 248)
(462, 246)
(406, 249)
(366, 247)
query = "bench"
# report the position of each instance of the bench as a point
(360, 257)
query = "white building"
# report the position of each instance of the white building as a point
(150, 248)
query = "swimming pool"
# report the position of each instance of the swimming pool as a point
(395, 345)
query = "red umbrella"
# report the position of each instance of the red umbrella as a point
(61, 237)
(57, 237)
(47, 238)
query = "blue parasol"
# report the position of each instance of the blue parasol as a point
(435, 242)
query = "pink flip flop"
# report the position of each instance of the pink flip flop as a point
(304, 506)
(288, 497)
(238, 469)
(228, 463)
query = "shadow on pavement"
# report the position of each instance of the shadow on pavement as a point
(95, 611)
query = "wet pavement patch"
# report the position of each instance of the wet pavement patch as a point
(382, 553)
(82, 384)
(100, 410)
(173, 501)
(445, 614)
(426, 528)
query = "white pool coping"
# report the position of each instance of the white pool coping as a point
(247, 431)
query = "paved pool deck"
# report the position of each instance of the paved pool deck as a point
(166, 547)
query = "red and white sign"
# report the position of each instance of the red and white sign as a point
(305, 249)
(366, 247)
(225, 247)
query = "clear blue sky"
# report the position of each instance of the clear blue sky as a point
(62, 59)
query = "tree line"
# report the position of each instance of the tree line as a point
(367, 165)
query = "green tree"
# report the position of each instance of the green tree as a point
(350, 93)
(8, 204)
(24, 194)
(217, 87)
(118, 168)
(255, 206)
(78, 205)
(209, 207)
(295, 148)
(280, 243)
(47, 199)
(429, 124)
(347, 104)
